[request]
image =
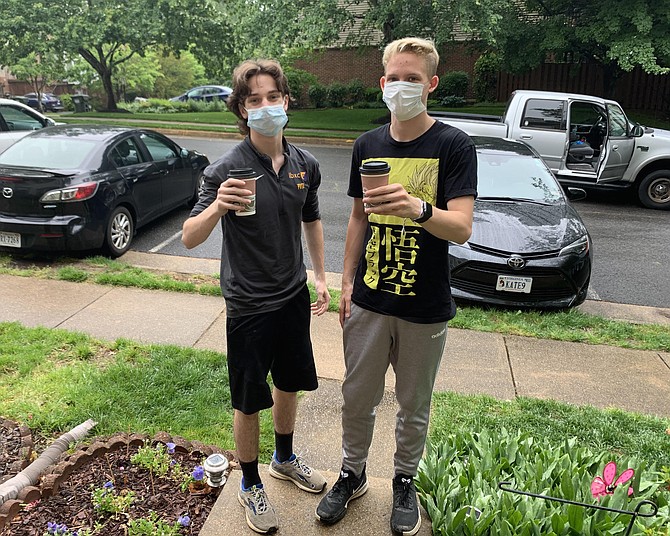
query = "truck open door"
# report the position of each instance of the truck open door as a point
(618, 146)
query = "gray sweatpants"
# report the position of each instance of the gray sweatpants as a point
(371, 342)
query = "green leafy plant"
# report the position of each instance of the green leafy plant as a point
(106, 500)
(458, 485)
(152, 525)
(154, 458)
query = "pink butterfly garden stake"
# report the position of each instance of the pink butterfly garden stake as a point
(606, 484)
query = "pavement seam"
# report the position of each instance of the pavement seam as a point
(665, 361)
(511, 370)
(84, 307)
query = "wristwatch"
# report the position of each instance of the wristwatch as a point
(426, 212)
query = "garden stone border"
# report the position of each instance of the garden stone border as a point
(56, 474)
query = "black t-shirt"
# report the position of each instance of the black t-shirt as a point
(261, 255)
(403, 269)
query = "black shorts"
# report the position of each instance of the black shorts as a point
(277, 342)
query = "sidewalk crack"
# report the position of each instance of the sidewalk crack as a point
(84, 307)
(511, 370)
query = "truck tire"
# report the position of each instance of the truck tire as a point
(654, 190)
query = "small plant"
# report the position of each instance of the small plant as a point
(106, 500)
(153, 526)
(156, 459)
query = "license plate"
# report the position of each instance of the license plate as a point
(510, 283)
(10, 240)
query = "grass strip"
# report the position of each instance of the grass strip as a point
(570, 326)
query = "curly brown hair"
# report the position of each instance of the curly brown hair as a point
(244, 72)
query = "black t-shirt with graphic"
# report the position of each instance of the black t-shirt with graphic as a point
(403, 269)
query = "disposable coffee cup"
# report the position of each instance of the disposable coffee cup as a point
(249, 176)
(374, 174)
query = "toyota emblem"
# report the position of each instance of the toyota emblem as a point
(7, 192)
(516, 262)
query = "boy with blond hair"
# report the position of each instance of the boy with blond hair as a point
(396, 298)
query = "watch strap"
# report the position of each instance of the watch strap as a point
(426, 212)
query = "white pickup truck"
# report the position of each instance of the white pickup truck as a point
(586, 141)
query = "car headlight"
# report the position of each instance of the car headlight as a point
(580, 246)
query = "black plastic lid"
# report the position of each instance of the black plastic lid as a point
(375, 167)
(242, 173)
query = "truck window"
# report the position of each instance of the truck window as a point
(618, 124)
(544, 114)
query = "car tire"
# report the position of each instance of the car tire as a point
(119, 232)
(198, 185)
(654, 190)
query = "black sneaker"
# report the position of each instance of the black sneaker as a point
(334, 505)
(405, 518)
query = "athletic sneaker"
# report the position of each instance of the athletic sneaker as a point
(333, 506)
(297, 471)
(405, 518)
(261, 516)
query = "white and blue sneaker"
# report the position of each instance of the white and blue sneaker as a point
(260, 514)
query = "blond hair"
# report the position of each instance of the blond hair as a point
(413, 45)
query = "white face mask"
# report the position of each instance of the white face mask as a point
(267, 120)
(403, 99)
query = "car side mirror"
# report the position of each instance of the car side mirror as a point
(637, 131)
(49, 122)
(575, 194)
(184, 152)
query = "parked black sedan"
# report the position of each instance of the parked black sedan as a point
(529, 247)
(80, 187)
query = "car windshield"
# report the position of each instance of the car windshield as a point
(48, 153)
(514, 176)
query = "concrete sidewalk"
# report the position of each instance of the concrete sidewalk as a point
(501, 366)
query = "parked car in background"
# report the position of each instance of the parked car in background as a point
(529, 247)
(50, 102)
(205, 93)
(18, 120)
(80, 187)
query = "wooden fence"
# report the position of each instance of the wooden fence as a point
(634, 90)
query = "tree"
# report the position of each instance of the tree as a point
(179, 73)
(40, 72)
(617, 34)
(107, 33)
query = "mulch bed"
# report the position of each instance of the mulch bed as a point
(64, 493)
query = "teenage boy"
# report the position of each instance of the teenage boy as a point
(396, 298)
(263, 278)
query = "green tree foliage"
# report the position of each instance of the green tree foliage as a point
(179, 73)
(617, 34)
(107, 33)
(40, 71)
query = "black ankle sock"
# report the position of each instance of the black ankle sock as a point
(283, 446)
(250, 476)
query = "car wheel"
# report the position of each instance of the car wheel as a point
(119, 233)
(196, 193)
(654, 190)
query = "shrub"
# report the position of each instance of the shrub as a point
(355, 92)
(164, 106)
(317, 95)
(299, 81)
(373, 94)
(458, 485)
(485, 82)
(454, 83)
(336, 94)
(452, 101)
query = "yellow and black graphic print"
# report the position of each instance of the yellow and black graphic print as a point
(391, 252)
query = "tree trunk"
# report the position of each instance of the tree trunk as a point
(105, 72)
(30, 475)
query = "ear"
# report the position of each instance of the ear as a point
(243, 111)
(433, 84)
(382, 82)
(286, 102)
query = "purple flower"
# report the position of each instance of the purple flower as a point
(198, 473)
(184, 521)
(108, 485)
(170, 447)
